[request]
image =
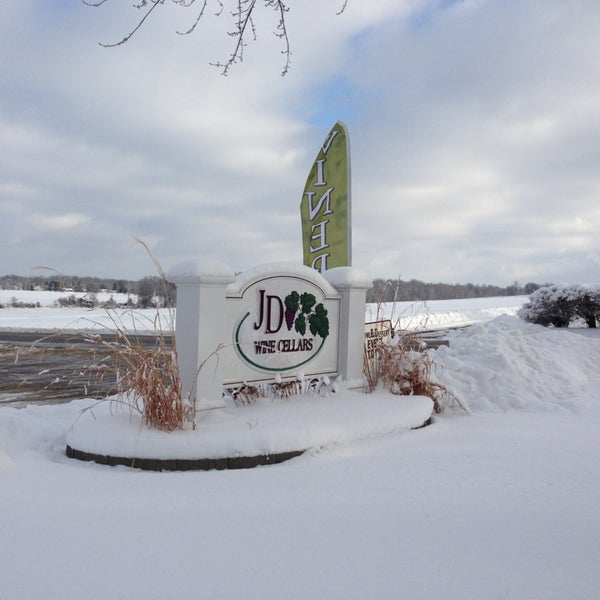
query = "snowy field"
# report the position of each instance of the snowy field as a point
(500, 503)
(408, 315)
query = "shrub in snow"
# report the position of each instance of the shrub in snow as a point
(404, 367)
(89, 300)
(14, 303)
(587, 306)
(559, 305)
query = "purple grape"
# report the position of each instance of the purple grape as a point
(289, 317)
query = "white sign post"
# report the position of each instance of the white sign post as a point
(200, 317)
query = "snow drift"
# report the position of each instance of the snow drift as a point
(510, 364)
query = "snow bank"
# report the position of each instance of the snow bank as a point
(36, 430)
(510, 364)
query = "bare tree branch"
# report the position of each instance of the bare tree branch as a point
(154, 3)
(200, 14)
(339, 12)
(94, 4)
(283, 35)
(242, 15)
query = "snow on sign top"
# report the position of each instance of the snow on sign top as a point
(243, 280)
(200, 269)
(348, 276)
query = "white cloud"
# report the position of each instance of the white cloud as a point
(475, 134)
(57, 222)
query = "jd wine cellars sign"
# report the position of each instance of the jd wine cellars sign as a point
(286, 324)
(272, 322)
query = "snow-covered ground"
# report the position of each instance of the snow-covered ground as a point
(499, 503)
(441, 314)
(48, 316)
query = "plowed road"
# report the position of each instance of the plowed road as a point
(52, 368)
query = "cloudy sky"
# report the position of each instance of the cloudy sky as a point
(474, 128)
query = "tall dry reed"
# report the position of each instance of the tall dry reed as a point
(405, 367)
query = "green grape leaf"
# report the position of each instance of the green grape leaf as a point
(300, 324)
(307, 301)
(318, 322)
(292, 301)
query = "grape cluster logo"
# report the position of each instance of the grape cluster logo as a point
(300, 308)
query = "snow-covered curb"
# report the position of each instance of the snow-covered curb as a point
(266, 428)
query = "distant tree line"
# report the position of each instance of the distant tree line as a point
(397, 290)
(153, 291)
(147, 292)
(61, 283)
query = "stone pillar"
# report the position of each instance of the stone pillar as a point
(352, 287)
(201, 328)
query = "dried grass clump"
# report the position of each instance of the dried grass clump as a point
(147, 376)
(136, 369)
(150, 378)
(405, 367)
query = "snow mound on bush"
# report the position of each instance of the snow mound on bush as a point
(510, 364)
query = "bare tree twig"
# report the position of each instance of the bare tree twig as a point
(242, 14)
(200, 14)
(155, 3)
(94, 4)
